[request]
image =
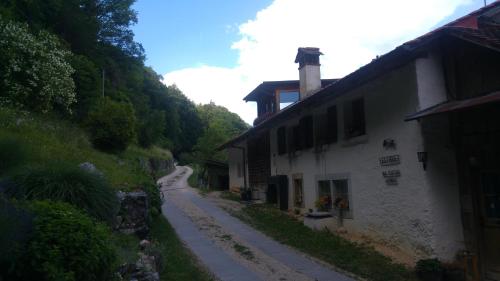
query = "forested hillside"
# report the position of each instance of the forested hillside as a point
(77, 60)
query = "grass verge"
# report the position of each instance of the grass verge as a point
(180, 262)
(359, 259)
(228, 195)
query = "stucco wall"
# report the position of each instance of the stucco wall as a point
(413, 214)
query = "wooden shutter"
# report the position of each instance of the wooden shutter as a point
(291, 139)
(320, 131)
(306, 131)
(281, 138)
(358, 117)
(331, 127)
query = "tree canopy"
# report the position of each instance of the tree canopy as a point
(97, 58)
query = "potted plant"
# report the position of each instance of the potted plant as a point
(430, 270)
(323, 203)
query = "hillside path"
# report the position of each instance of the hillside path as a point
(230, 249)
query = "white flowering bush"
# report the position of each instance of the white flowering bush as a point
(35, 73)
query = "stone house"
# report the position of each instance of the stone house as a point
(405, 149)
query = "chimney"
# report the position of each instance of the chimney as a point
(309, 72)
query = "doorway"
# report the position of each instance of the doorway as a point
(490, 222)
(277, 191)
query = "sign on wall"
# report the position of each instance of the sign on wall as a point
(390, 160)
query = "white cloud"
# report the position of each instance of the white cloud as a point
(349, 33)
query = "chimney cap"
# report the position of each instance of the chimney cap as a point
(306, 51)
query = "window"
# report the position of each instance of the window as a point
(281, 138)
(354, 118)
(298, 192)
(331, 123)
(341, 195)
(333, 194)
(287, 98)
(306, 132)
(324, 195)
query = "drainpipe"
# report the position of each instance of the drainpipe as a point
(244, 165)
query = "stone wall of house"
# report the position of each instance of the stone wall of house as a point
(410, 214)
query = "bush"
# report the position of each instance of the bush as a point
(16, 228)
(111, 125)
(34, 71)
(429, 269)
(67, 183)
(154, 196)
(13, 153)
(67, 246)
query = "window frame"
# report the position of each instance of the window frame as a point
(337, 177)
(294, 186)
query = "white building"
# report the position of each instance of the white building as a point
(353, 146)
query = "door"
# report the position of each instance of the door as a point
(283, 195)
(490, 223)
(277, 191)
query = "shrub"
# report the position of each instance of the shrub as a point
(111, 125)
(67, 183)
(16, 225)
(34, 71)
(67, 245)
(154, 196)
(429, 269)
(13, 153)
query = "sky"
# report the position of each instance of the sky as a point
(219, 50)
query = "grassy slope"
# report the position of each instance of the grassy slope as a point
(181, 264)
(358, 259)
(48, 140)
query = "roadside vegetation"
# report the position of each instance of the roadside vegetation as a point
(82, 117)
(181, 263)
(352, 257)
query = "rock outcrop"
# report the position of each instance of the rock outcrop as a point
(133, 215)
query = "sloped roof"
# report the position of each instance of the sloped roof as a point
(467, 28)
(268, 87)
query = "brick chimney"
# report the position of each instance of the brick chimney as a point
(309, 70)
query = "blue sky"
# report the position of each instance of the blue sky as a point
(219, 50)
(181, 33)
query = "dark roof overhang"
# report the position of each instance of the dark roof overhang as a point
(455, 105)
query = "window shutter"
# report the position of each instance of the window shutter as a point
(281, 138)
(297, 143)
(331, 127)
(291, 139)
(358, 116)
(320, 131)
(306, 131)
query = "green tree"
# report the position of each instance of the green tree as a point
(111, 125)
(34, 70)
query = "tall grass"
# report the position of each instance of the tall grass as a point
(67, 183)
(51, 140)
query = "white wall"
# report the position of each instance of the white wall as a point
(409, 214)
(441, 175)
(430, 80)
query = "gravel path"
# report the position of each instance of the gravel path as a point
(229, 248)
